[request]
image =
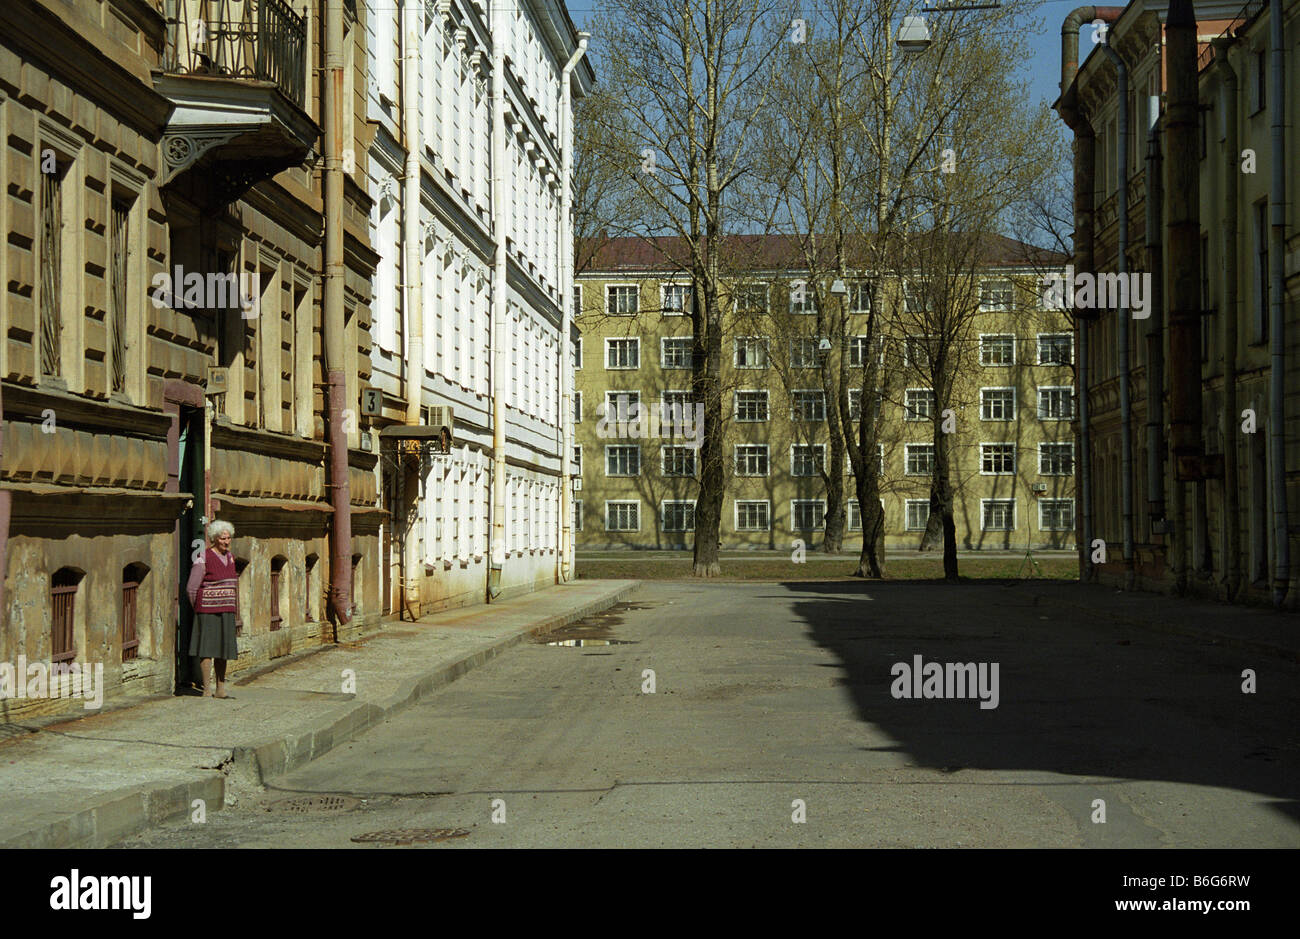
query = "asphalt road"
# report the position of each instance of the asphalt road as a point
(773, 702)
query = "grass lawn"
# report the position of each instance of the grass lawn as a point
(636, 567)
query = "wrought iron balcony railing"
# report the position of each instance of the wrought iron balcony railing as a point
(259, 40)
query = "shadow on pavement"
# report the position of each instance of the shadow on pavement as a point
(1076, 695)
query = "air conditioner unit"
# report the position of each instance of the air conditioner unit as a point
(443, 420)
(1038, 487)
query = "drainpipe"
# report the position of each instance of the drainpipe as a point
(1122, 313)
(501, 228)
(1182, 189)
(566, 303)
(6, 504)
(411, 562)
(1085, 145)
(1229, 415)
(335, 334)
(1276, 296)
(1155, 263)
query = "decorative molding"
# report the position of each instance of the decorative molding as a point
(181, 151)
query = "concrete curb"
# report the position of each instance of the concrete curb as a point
(131, 810)
(277, 757)
(1170, 629)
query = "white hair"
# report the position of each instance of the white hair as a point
(217, 529)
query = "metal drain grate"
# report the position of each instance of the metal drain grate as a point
(411, 835)
(314, 805)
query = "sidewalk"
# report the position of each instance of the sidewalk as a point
(1249, 629)
(93, 781)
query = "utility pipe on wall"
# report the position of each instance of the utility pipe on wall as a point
(1084, 213)
(566, 303)
(1155, 263)
(334, 320)
(500, 230)
(1276, 297)
(1122, 315)
(411, 11)
(1228, 413)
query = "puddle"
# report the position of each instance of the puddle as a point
(595, 630)
(580, 643)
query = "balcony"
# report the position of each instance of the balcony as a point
(236, 73)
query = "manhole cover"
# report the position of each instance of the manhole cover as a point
(312, 805)
(411, 835)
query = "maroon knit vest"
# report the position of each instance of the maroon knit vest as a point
(219, 590)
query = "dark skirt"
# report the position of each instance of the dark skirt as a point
(214, 636)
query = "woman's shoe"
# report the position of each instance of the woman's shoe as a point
(221, 691)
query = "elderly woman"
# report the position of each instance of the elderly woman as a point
(214, 593)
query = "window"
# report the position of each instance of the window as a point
(1055, 349)
(855, 404)
(51, 268)
(577, 300)
(119, 240)
(1056, 459)
(807, 459)
(751, 459)
(917, 514)
(308, 583)
(623, 516)
(577, 515)
(914, 299)
(803, 353)
(803, 299)
(918, 404)
(577, 407)
(1259, 91)
(63, 602)
(623, 459)
(1056, 515)
(622, 299)
(858, 351)
(675, 352)
(860, 297)
(751, 352)
(997, 349)
(753, 516)
(808, 405)
(677, 516)
(880, 459)
(678, 461)
(997, 514)
(807, 514)
(1055, 404)
(918, 459)
(577, 461)
(622, 405)
(622, 353)
(751, 406)
(997, 404)
(997, 459)
(676, 299)
(750, 299)
(577, 353)
(132, 574)
(1260, 321)
(996, 296)
(277, 569)
(916, 352)
(674, 407)
(854, 511)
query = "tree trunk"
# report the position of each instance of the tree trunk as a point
(871, 561)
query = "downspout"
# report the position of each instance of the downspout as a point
(1155, 328)
(6, 504)
(566, 303)
(335, 334)
(1122, 314)
(1182, 190)
(1228, 415)
(411, 561)
(1276, 296)
(501, 229)
(1084, 213)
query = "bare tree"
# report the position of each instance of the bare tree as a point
(690, 76)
